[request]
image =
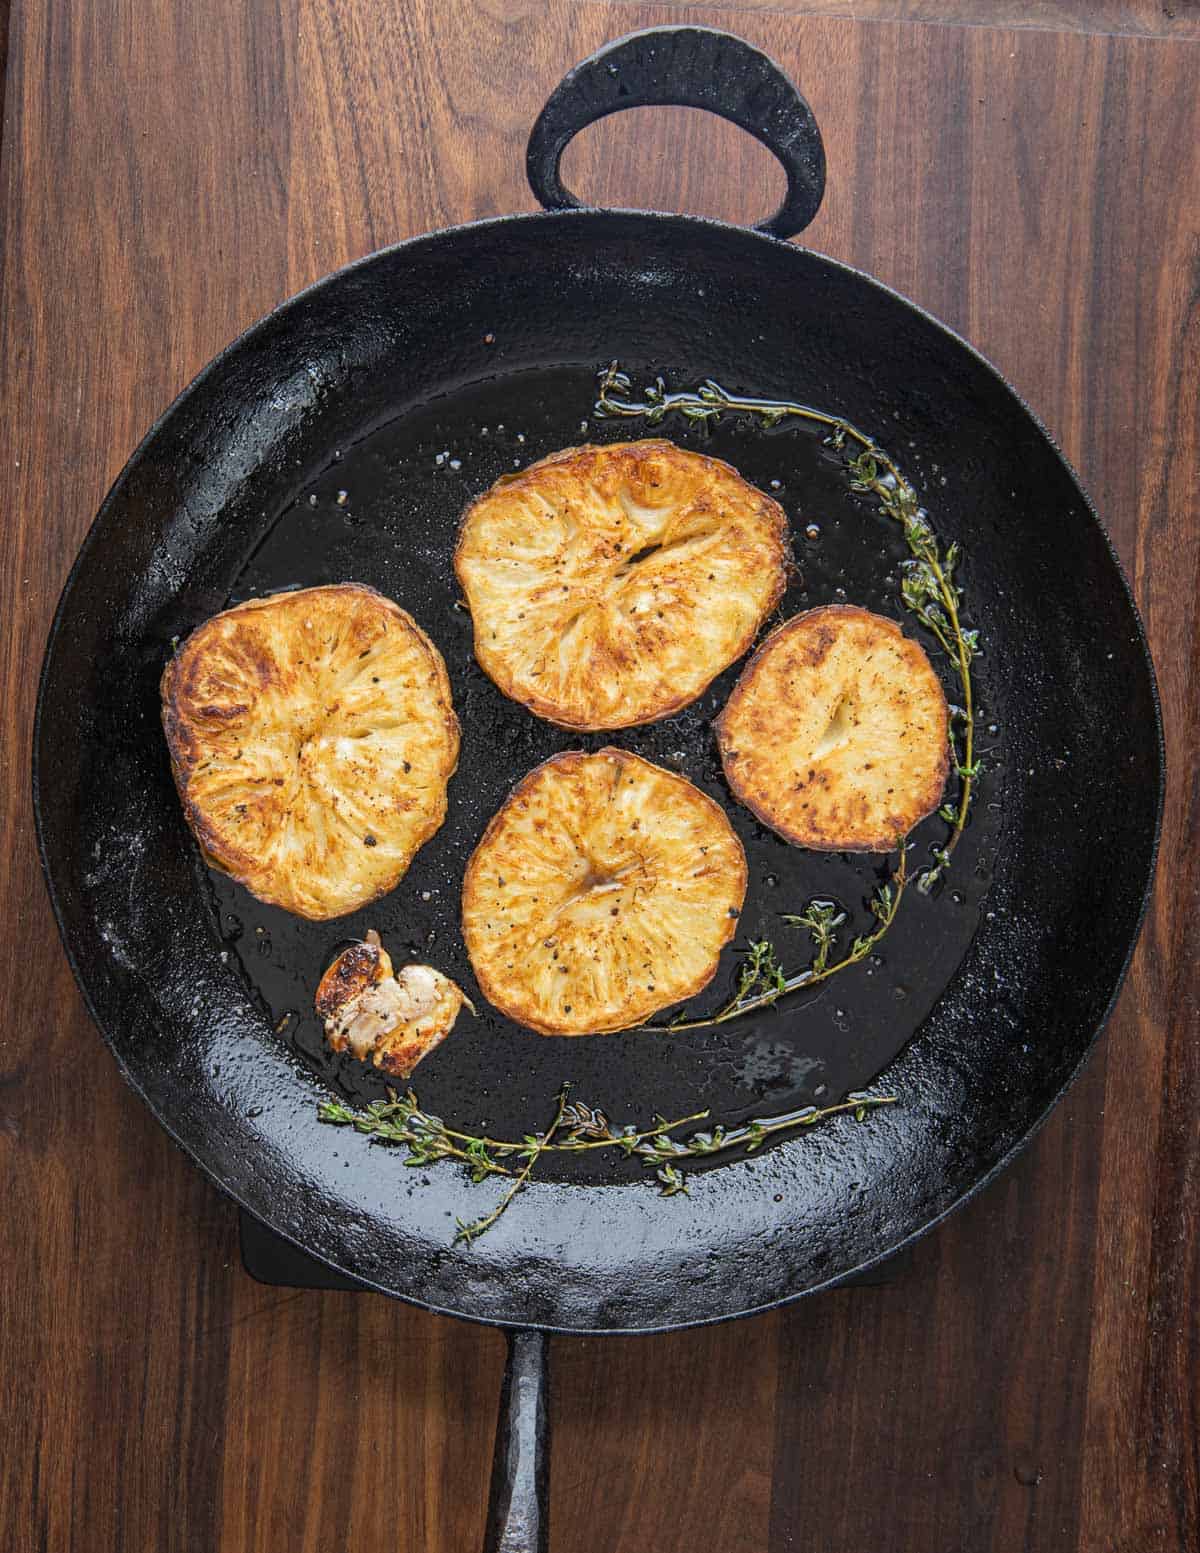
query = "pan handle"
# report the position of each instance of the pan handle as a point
(518, 1509)
(685, 67)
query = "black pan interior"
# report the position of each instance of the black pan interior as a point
(408, 384)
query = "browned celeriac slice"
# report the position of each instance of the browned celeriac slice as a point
(603, 890)
(836, 734)
(609, 585)
(312, 738)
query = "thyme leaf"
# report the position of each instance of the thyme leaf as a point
(822, 919)
(760, 974)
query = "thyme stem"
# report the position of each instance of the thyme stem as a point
(966, 767)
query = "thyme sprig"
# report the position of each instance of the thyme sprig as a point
(575, 1129)
(761, 981)
(927, 588)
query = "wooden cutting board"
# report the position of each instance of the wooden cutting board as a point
(1029, 1378)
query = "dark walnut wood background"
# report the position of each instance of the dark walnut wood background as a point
(1027, 1379)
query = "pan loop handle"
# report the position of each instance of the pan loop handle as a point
(685, 67)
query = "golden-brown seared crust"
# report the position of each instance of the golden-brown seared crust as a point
(609, 586)
(603, 890)
(311, 737)
(355, 969)
(837, 733)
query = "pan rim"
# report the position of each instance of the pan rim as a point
(682, 224)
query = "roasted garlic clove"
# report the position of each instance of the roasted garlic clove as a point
(389, 1018)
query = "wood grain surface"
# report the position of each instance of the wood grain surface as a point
(4, 15)
(1138, 18)
(1029, 1378)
